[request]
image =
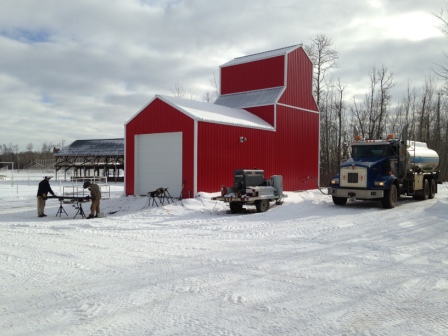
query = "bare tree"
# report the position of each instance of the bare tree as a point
(214, 82)
(444, 27)
(442, 70)
(426, 112)
(372, 112)
(333, 133)
(326, 120)
(178, 90)
(62, 144)
(386, 83)
(402, 112)
(437, 131)
(371, 115)
(360, 115)
(210, 96)
(9, 152)
(324, 58)
(339, 105)
(207, 97)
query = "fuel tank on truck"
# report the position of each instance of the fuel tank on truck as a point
(422, 156)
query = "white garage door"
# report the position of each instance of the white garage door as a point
(158, 162)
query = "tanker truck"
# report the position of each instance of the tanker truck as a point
(385, 169)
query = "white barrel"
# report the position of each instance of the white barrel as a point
(421, 156)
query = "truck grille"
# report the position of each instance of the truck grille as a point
(352, 177)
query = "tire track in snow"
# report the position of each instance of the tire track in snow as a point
(392, 303)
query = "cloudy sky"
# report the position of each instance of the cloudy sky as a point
(81, 69)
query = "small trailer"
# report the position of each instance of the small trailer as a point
(251, 188)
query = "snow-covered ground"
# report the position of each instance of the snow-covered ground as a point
(306, 267)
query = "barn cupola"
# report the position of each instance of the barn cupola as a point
(280, 76)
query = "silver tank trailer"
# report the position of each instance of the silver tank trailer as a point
(421, 156)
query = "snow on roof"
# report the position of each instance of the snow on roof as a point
(251, 98)
(217, 114)
(262, 55)
(94, 147)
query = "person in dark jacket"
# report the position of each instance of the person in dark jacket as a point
(42, 194)
(95, 195)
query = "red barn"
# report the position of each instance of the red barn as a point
(265, 118)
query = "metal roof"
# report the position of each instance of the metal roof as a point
(262, 55)
(94, 147)
(214, 113)
(251, 98)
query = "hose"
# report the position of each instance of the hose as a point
(318, 186)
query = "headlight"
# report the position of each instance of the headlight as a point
(379, 183)
(334, 181)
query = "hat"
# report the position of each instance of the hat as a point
(86, 184)
(47, 177)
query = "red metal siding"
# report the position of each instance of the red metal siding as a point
(262, 74)
(291, 151)
(159, 117)
(220, 152)
(299, 81)
(264, 112)
(297, 148)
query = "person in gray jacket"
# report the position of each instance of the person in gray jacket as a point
(95, 195)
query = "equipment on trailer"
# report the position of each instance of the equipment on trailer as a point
(251, 188)
(384, 169)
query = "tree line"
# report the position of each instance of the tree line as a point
(374, 116)
(22, 159)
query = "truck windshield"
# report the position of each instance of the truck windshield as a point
(377, 151)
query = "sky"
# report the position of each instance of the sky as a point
(306, 267)
(81, 70)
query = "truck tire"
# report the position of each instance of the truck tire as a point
(262, 205)
(432, 189)
(390, 198)
(236, 207)
(423, 194)
(339, 200)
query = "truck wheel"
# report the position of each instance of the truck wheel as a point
(424, 193)
(390, 198)
(432, 189)
(236, 207)
(339, 200)
(262, 205)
